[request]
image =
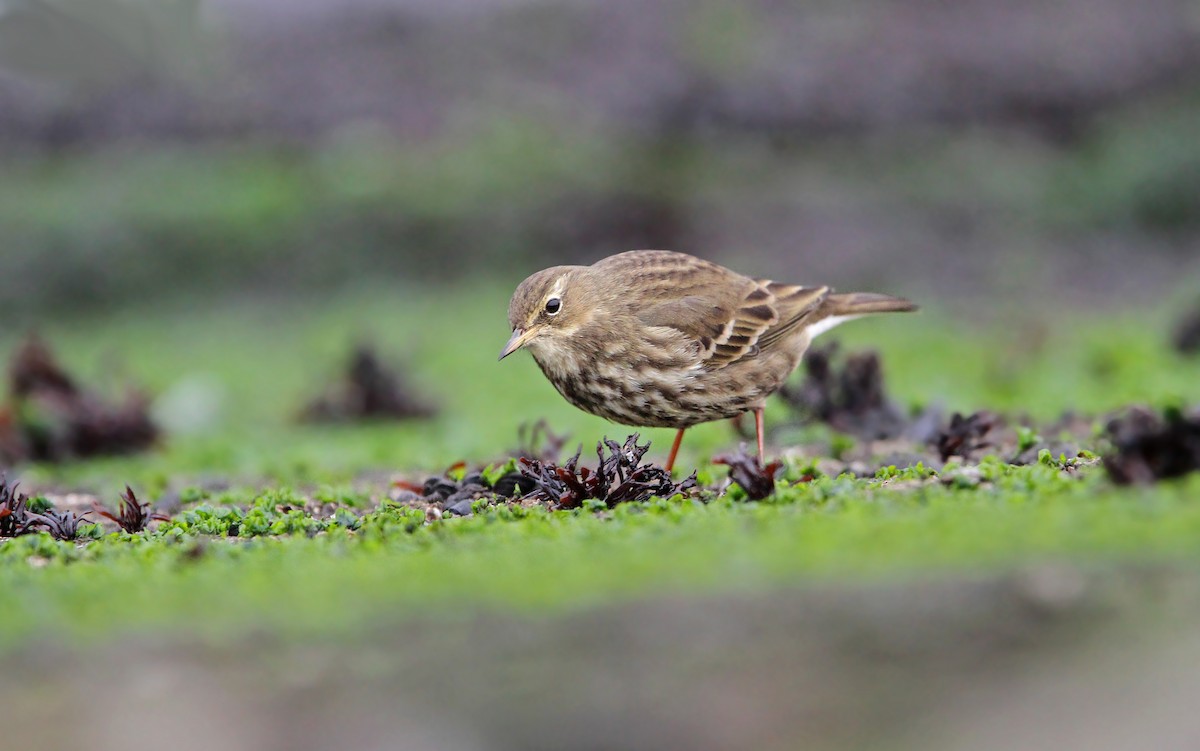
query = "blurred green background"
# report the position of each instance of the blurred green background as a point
(214, 149)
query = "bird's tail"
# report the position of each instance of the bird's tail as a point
(864, 303)
(839, 308)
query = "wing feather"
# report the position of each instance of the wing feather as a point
(723, 316)
(726, 328)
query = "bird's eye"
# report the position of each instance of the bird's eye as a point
(553, 305)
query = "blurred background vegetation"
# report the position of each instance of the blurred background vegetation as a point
(212, 148)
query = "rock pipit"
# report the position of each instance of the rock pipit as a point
(652, 338)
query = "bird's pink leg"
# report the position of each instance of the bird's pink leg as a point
(675, 449)
(758, 430)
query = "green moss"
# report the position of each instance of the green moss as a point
(297, 581)
(250, 556)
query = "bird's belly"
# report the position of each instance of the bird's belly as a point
(676, 400)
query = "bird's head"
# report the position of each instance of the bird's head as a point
(548, 307)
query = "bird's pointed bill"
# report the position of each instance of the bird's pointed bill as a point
(518, 339)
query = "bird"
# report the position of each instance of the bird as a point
(661, 339)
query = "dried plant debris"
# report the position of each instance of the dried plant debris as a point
(1187, 333)
(15, 517)
(369, 390)
(619, 477)
(537, 441)
(131, 515)
(748, 472)
(35, 370)
(62, 525)
(966, 436)
(850, 399)
(51, 418)
(456, 496)
(1148, 447)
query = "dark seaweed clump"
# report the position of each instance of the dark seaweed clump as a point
(748, 472)
(619, 477)
(368, 390)
(62, 525)
(1148, 447)
(851, 398)
(456, 496)
(131, 515)
(966, 435)
(50, 418)
(1187, 333)
(15, 517)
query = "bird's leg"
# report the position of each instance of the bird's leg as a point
(758, 430)
(675, 449)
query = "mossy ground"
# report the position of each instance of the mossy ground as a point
(360, 559)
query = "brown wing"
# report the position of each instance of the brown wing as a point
(795, 305)
(730, 317)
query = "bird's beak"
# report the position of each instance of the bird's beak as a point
(519, 338)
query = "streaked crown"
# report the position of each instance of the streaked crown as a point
(542, 298)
